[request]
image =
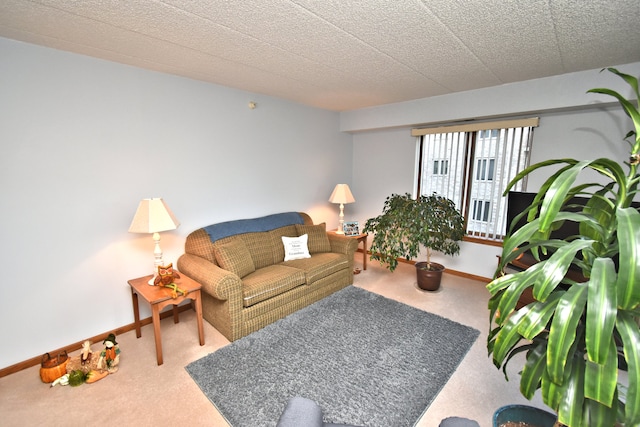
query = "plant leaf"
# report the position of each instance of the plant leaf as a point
(631, 80)
(601, 379)
(507, 337)
(629, 270)
(601, 310)
(612, 170)
(551, 392)
(502, 282)
(630, 335)
(510, 245)
(527, 233)
(533, 370)
(563, 330)
(538, 316)
(572, 396)
(628, 106)
(511, 295)
(603, 212)
(513, 353)
(532, 168)
(599, 414)
(555, 268)
(555, 195)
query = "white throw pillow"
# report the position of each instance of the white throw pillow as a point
(295, 247)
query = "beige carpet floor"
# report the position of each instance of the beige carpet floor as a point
(144, 394)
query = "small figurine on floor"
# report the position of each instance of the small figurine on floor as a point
(110, 356)
(166, 277)
(85, 356)
(85, 361)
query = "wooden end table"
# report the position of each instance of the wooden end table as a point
(361, 238)
(159, 297)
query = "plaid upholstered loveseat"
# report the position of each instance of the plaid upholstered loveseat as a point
(246, 281)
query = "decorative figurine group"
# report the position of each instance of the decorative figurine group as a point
(86, 368)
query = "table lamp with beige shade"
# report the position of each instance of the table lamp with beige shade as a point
(341, 194)
(152, 217)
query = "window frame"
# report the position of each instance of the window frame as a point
(476, 134)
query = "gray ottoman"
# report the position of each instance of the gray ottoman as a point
(302, 412)
(458, 422)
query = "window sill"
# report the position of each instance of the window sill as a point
(482, 241)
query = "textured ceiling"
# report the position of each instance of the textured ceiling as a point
(339, 54)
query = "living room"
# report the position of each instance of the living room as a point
(86, 139)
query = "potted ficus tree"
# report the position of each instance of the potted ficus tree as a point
(578, 337)
(409, 224)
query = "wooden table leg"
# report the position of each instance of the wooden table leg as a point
(155, 315)
(364, 253)
(136, 313)
(176, 316)
(198, 303)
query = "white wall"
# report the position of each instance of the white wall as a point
(83, 140)
(574, 125)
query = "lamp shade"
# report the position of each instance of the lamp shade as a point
(153, 216)
(341, 194)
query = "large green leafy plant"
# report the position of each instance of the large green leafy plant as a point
(578, 337)
(407, 224)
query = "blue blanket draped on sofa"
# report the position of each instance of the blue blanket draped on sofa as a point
(240, 226)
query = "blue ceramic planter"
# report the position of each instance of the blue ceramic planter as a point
(523, 413)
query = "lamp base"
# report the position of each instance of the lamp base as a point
(157, 255)
(341, 222)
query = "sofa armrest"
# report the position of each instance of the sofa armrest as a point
(343, 244)
(220, 284)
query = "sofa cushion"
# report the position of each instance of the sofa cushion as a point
(295, 247)
(268, 282)
(233, 255)
(319, 265)
(318, 240)
(261, 248)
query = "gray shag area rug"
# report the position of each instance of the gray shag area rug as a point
(365, 359)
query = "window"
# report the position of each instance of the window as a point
(441, 167)
(484, 169)
(472, 164)
(481, 210)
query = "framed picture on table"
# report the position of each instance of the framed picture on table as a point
(351, 228)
